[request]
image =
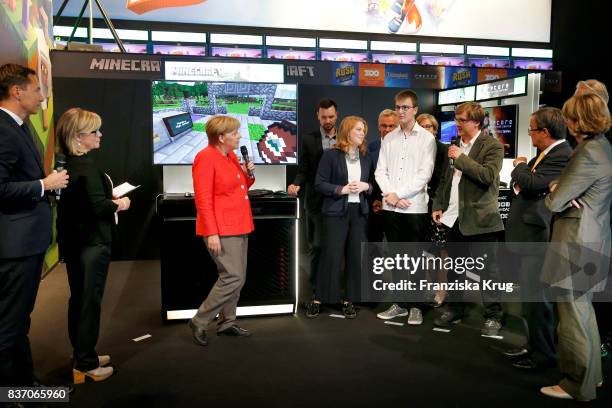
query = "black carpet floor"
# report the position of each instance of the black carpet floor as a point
(289, 361)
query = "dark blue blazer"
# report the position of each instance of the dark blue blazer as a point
(373, 151)
(25, 216)
(332, 176)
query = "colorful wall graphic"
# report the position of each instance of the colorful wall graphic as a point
(25, 38)
(491, 19)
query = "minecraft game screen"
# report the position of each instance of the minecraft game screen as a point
(267, 115)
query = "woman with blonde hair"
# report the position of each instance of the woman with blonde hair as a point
(85, 230)
(580, 241)
(224, 220)
(343, 177)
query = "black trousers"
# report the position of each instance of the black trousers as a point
(19, 281)
(540, 316)
(342, 238)
(376, 231)
(405, 228)
(314, 232)
(87, 269)
(455, 303)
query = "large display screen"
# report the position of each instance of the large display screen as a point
(344, 56)
(267, 115)
(448, 61)
(292, 54)
(448, 127)
(394, 58)
(542, 65)
(516, 20)
(489, 62)
(501, 123)
(179, 50)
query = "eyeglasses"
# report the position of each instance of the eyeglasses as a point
(427, 126)
(535, 129)
(403, 107)
(461, 120)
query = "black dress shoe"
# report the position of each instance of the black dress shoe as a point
(235, 331)
(516, 352)
(199, 334)
(530, 364)
(447, 319)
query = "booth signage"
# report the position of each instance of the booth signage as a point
(345, 73)
(74, 64)
(124, 64)
(307, 72)
(224, 72)
(372, 75)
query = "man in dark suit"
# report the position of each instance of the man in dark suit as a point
(25, 220)
(466, 201)
(530, 221)
(387, 121)
(313, 145)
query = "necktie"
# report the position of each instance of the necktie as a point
(37, 143)
(538, 160)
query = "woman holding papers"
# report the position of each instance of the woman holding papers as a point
(85, 228)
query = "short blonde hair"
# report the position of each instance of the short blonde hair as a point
(220, 125)
(427, 116)
(593, 86)
(589, 112)
(345, 128)
(73, 122)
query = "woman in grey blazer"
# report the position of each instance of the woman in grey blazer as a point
(577, 261)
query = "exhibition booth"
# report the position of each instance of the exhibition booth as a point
(154, 110)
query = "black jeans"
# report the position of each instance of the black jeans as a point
(455, 303)
(405, 228)
(87, 269)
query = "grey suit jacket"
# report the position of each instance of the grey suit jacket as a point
(478, 188)
(529, 220)
(588, 179)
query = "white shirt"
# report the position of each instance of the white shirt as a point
(405, 165)
(19, 123)
(452, 212)
(354, 174)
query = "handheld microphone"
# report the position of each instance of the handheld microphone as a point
(60, 162)
(245, 157)
(454, 142)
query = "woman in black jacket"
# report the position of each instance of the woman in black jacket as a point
(86, 221)
(343, 178)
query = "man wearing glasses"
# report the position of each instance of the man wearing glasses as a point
(405, 165)
(530, 221)
(466, 202)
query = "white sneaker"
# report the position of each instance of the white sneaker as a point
(393, 312)
(416, 317)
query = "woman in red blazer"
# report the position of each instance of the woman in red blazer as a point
(224, 220)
